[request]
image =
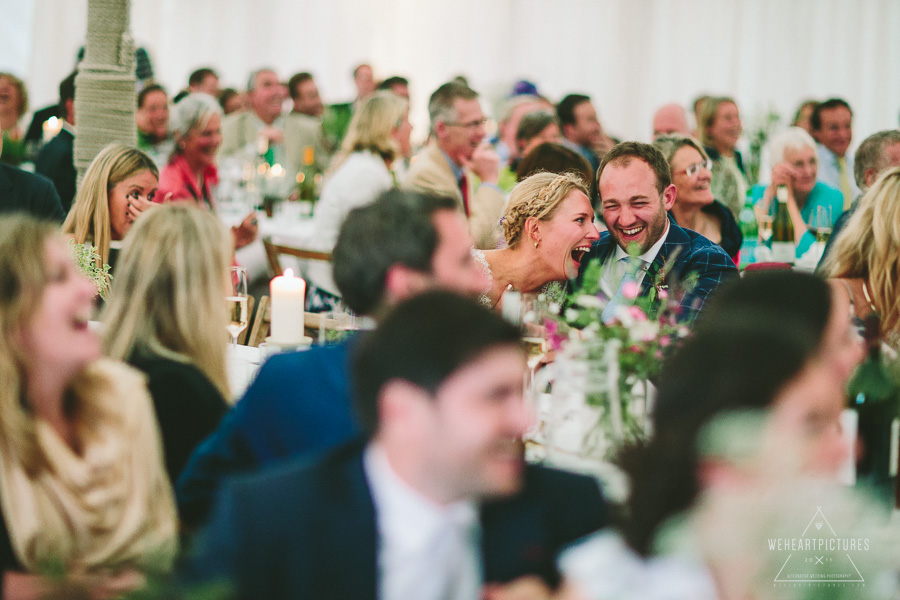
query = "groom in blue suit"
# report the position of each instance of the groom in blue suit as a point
(636, 193)
(436, 502)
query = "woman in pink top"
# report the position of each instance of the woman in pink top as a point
(191, 171)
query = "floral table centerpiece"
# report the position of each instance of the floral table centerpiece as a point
(601, 392)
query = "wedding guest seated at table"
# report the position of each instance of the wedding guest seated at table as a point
(695, 208)
(119, 185)
(877, 153)
(242, 130)
(56, 158)
(720, 129)
(553, 157)
(87, 511)
(548, 225)
(152, 118)
(793, 153)
(636, 192)
(866, 258)
(455, 157)
(750, 403)
(434, 502)
(21, 191)
(386, 251)
(804, 114)
(670, 119)
(204, 81)
(510, 114)
(13, 106)
(231, 101)
(831, 124)
(175, 259)
(360, 172)
(535, 128)
(191, 173)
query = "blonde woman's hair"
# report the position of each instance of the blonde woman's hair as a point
(89, 221)
(23, 277)
(869, 248)
(708, 117)
(168, 298)
(537, 196)
(371, 127)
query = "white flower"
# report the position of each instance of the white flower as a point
(588, 301)
(643, 331)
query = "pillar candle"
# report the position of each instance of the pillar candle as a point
(288, 295)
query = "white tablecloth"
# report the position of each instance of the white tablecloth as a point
(243, 363)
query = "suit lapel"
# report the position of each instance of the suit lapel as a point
(353, 535)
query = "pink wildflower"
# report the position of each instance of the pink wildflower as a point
(636, 313)
(665, 341)
(630, 290)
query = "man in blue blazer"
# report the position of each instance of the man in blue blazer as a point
(299, 402)
(636, 191)
(436, 503)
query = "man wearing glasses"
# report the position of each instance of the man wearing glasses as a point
(455, 163)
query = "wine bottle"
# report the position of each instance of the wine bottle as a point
(749, 231)
(784, 247)
(307, 179)
(873, 394)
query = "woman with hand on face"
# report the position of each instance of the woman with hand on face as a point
(87, 510)
(695, 207)
(548, 226)
(120, 184)
(191, 173)
(793, 153)
(720, 129)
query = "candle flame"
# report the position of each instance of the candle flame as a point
(288, 273)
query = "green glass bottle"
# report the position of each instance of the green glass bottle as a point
(784, 248)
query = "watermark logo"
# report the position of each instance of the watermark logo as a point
(820, 556)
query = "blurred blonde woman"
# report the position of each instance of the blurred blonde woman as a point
(720, 129)
(866, 257)
(82, 485)
(359, 172)
(166, 316)
(549, 227)
(118, 187)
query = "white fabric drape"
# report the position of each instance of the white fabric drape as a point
(630, 55)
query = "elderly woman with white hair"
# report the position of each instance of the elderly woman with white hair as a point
(793, 153)
(191, 173)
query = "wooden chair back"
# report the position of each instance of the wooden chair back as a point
(273, 251)
(242, 336)
(262, 322)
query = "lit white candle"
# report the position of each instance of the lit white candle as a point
(288, 295)
(51, 128)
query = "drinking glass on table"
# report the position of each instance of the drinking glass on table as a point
(237, 302)
(822, 223)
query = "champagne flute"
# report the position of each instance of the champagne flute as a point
(237, 302)
(822, 223)
(765, 227)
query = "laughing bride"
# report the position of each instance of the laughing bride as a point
(549, 227)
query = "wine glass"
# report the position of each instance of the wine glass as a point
(237, 302)
(822, 223)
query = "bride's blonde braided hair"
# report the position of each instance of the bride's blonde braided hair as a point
(538, 196)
